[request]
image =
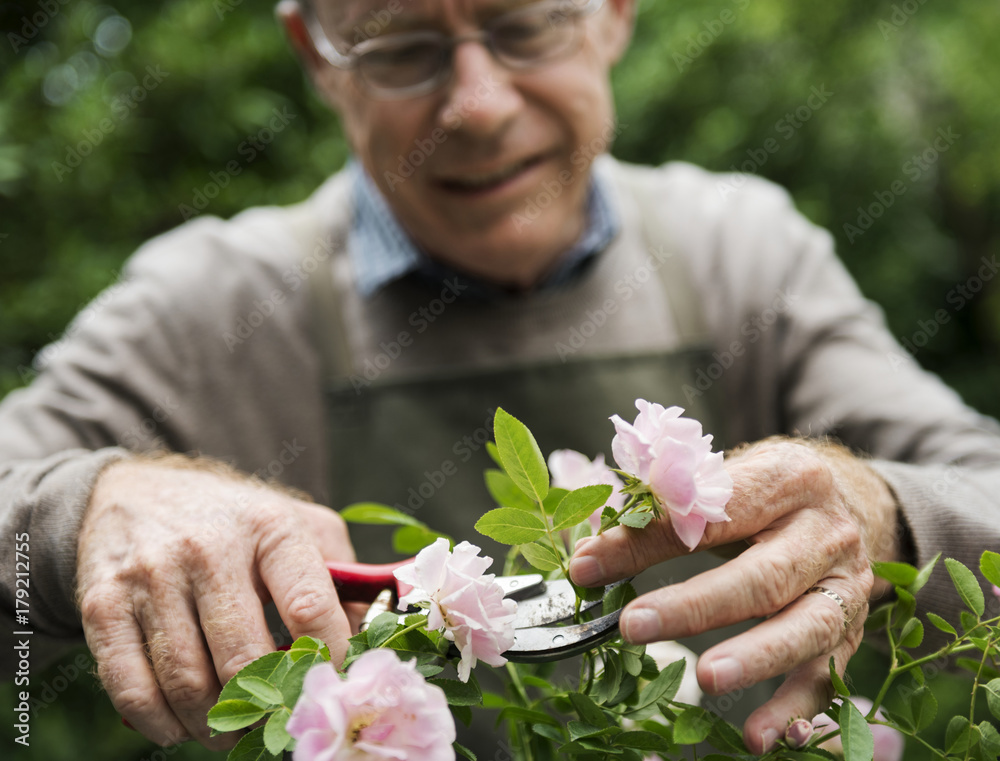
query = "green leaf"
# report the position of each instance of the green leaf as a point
(900, 574)
(989, 566)
(541, 557)
(912, 634)
(381, 628)
(251, 747)
(291, 684)
(618, 598)
(941, 624)
(631, 662)
(993, 696)
(505, 492)
(578, 729)
(960, 735)
(855, 734)
(610, 680)
(263, 691)
(271, 668)
(459, 693)
(276, 737)
(463, 751)
(553, 498)
(641, 740)
(923, 707)
(838, 683)
(494, 453)
(989, 738)
(579, 505)
(414, 642)
(692, 726)
(664, 687)
(375, 514)
(587, 710)
(636, 520)
(526, 714)
(967, 585)
(508, 525)
(230, 715)
(462, 713)
(306, 646)
(522, 459)
(725, 736)
(545, 730)
(409, 540)
(925, 574)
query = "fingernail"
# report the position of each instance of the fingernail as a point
(768, 738)
(727, 673)
(586, 571)
(641, 625)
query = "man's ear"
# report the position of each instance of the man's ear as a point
(620, 28)
(289, 14)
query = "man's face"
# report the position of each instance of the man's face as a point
(490, 172)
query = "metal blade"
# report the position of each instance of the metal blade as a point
(557, 604)
(521, 587)
(554, 643)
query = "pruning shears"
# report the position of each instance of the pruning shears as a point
(540, 605)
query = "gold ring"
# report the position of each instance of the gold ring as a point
(836, 598)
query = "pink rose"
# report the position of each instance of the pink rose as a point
(670, 455)
(799, 733)
(467, 604)
(996, 590)
(573, 470)
(889, 742)
(382, 710)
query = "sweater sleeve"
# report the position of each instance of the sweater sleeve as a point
(816, 358)
(201, 348)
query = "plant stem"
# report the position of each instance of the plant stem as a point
(975, 686)
(515, 680)
(422, 622)
(614, 519)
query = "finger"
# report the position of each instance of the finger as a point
(116, 642)
(293, 571)
(766, 487)
(232, 617)
(328, 530)
(183, 668)
(811, 627)
(806, 692)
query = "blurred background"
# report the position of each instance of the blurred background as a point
(118, 121)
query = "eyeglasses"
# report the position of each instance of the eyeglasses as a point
(411, 64)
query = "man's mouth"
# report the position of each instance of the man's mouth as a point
(483, 182)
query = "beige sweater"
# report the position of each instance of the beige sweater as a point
(153, 360)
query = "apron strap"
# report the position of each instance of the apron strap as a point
(675, 274)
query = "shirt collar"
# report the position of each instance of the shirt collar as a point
(381, 251)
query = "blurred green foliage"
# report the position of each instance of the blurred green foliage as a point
(714, 83)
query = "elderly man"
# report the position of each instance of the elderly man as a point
(475, 254)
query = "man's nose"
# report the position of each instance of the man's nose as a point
(481, 97)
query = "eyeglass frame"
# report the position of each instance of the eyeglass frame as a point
(348, 61)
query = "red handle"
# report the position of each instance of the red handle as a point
(361, 582)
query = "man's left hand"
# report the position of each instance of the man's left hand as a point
(811, 515)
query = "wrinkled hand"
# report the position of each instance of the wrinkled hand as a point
(810, 514)
(175, 565)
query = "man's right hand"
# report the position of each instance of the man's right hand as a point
(175, 565)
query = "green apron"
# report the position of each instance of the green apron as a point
(409, 411)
